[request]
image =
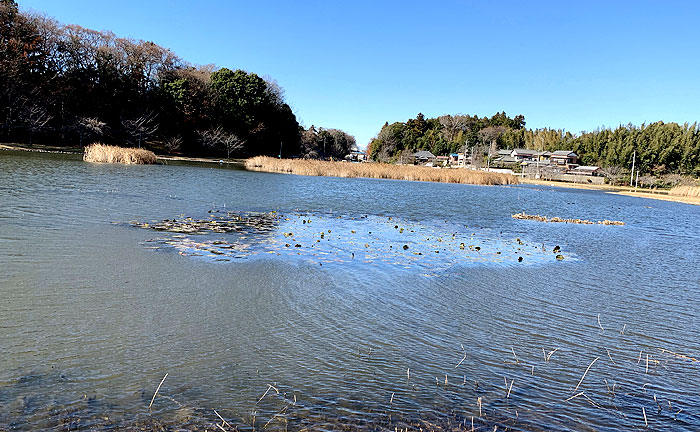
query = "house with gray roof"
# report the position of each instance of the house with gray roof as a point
(564, 157)
(423, 156)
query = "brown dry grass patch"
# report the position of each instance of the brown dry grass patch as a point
(112, 154)
(685, 191)
(378, 170)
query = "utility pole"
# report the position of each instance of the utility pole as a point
(466, 145)
(634, 157)
(280, 150)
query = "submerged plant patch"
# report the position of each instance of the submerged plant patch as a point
(426, 246)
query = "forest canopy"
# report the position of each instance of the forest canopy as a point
(70, 85)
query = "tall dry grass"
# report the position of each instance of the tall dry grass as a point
(112, 154)
(685, 191)
(377, 170)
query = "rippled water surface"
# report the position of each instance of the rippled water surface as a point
(357, 303)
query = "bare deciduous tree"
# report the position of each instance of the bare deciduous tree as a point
(453, 125)
(87, 126)
(489, 137)
(173, 144)
(141, 128)
(614, 173)
(36, 117)
(219, 138)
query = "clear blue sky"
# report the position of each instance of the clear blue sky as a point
(354, 65)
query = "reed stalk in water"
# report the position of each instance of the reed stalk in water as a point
(584, 374)
(378, 170)
(154, 394)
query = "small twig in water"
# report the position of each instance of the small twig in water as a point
(547, 356)
(608, 351)
(275, 416)
(478, 402)
(222, 419)
(269, 386)
(391, 401)
(644, 413)
(623, 329)
(584, 374)
(154, 394)
(516, 357)
(510, 388)
(678, 355)
(574, 396)
(601, 327)
(463, 358)
(646, 371)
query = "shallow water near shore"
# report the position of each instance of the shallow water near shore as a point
(345, 330)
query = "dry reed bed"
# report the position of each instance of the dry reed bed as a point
(685, 191)
(539, 218)
(377, 170)
(112, 154)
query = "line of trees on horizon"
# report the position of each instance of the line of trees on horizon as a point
(660, 148)
(69, 85)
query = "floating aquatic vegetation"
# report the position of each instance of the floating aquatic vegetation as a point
(217, 223)
(428, 246)
(539, 218)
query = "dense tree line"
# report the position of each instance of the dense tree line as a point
(441, 135)
(68, 85)
(661, 148)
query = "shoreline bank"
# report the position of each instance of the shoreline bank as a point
(39, 148)
(617, 190)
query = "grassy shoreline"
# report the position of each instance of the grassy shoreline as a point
(377, 170)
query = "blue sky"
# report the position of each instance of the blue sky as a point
(354, 65)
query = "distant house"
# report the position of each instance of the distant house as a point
(564, 157)
(586, 170)
(504, 152)
(356, 156)
(423, 156)
(543, 155)
(454, 158)
(523, 154)
(507, 160)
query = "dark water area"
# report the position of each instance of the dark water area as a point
(276, 326)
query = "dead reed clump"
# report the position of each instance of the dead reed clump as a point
(685, 191)
(112, 154)
(377, 170)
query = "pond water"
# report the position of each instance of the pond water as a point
(285, 302)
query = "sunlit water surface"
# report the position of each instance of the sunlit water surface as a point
(358, 303)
